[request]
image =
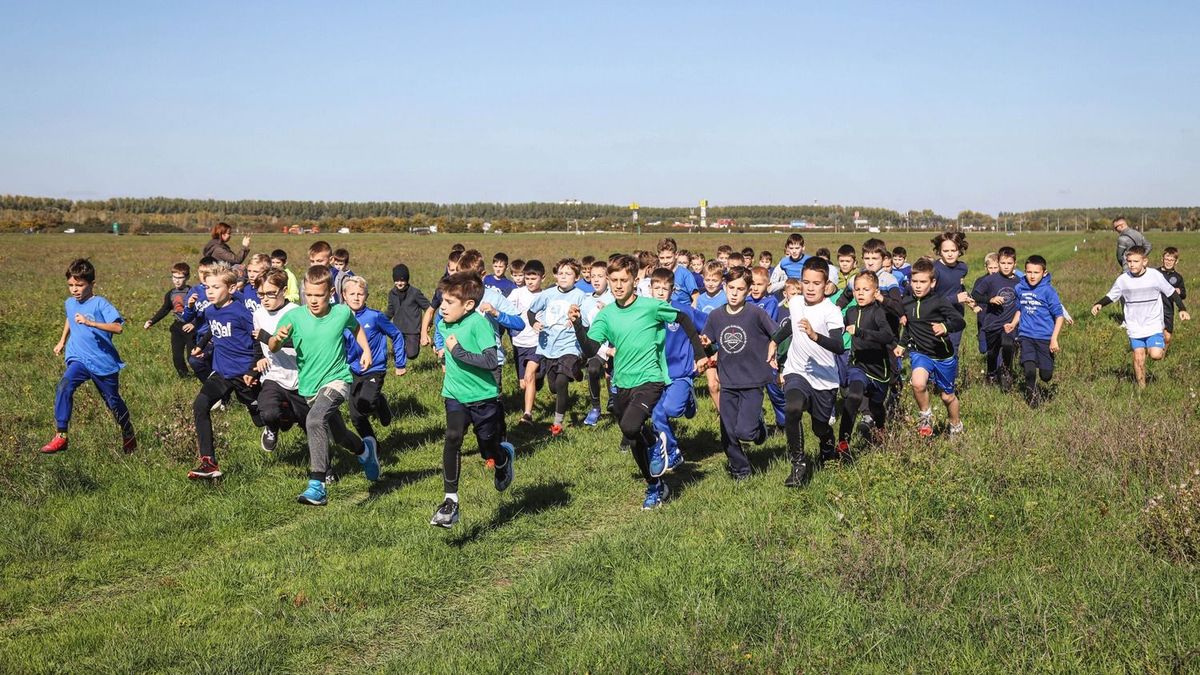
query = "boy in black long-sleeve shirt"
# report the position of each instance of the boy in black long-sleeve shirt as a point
(1170, 258)
(996, 294)
(406, 305)
(929, 321)
(870, 372)
(174, 302)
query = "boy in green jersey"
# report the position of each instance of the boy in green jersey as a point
(636, 327)
(316, 332)
(470, 391)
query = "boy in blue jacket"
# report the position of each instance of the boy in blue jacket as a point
(996, 295)
(366, 392)
(677, 398)
(1039, 319)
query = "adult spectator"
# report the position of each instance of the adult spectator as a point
(1127, 237)
(218, 246)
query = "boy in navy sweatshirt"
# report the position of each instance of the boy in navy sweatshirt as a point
(1039, 318)
(366, 392)
(234, 356)
(677, 398)
(996, 295)
(930, 321)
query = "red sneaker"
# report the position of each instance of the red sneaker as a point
(491, 464)
(129, 444)
(207, 469)
(556, 429)
(843, 447)
(925, 429)
(56, 444)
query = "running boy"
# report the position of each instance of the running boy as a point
(810, 371)
(745, 363)
(234, 356)
(405, 306)
(469, 390)
(279, 404)
(791, 265)
(497, 278)
(996, 295)
(1040, 318)
(174, 302)
(366, 391)
(929, 320)
(599, 367)
(557, 345)
(279, 258)
(90, 355)
(1170, 258)
(525, 341)
(316, 331)
(677, 399)
(869, 371)
(1142, 290)
(635, 326)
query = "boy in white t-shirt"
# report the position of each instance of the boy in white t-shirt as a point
(525, 341)
(279, 403)
(810, 371)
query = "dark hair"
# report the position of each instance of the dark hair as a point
(587, 261)
(724, 248)
(1036, 260)
(823, 252)
(318, 275)
(500, 257)
(602, 264)
(208, 261)
(923, 265)
(869, 275)
(82, 268)
(765, 254)
(1006, 252)
(664, 275)
(1136, 250)
(1118, 219)
(901, 251)
(535, 266)
(959, 239)
(455, 256)
(221, 229)
(471, 260)
(667, 244)
(624, 263)
(517, 265)
(794, 238)
(815, 265)
(321, 246)
(739, 272)
(277, 278)
(1171, 250)
(457, 247)
(464, 286)
(647, 258)
(847, 249)
(280, 254)
(341, 254)
(748, 252)
(183, 268)
(874, 245)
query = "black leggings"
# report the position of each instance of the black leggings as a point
(634, 408)
(797, 403)
(366, 398)
(1031, 374)
(281, 408)
(1000, 349)
(215, 389)
(852, 403)
(181, 343)
(596, 368)
(486, 416)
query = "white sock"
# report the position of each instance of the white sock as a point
(452, 496)
(558, 418)
(927, 413)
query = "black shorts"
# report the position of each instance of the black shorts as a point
(569, 365)
(485, 416)
(820, 401)
(1169, 320)
(1037, 352)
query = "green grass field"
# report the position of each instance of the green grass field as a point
(1022, 546)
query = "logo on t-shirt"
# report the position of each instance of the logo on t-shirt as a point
(733, 339)
(1007, 295)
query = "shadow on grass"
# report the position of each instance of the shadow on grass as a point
(525, 500)
(390, 481)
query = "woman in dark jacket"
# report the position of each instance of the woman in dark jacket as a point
(218, 246)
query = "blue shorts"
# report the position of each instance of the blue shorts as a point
(1037, 352)
(944, 371)
(874, 390)
(528, 355)
(1155, 341)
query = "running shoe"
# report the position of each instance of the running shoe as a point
(801, 474)
(56, 444)
(658, 455)
(655, 496)
(504, 474)
(446, 515)
(314, 494)
(760, 436)
(689, 408)
(383, 410)
(527, 418)
(129, 444)
(556, 430)
(268, 440)
(956, 429)
(369, 459)
(674, 459)
(593, 417)
(207, 469)
(218, 406)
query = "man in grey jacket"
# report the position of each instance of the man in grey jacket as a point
(1127, 237)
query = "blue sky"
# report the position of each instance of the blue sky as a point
(988, 106)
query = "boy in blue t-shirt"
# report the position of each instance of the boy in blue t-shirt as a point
(686, 289)
(90, 355)
(194, 303)
(558, 347)
(677, 399)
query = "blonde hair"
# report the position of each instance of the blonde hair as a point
(354, 279)
(260, 259)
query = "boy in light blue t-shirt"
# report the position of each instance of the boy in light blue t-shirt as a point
(557, 345)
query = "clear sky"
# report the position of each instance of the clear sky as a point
(989, 106)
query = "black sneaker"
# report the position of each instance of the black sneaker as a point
(761, 436)
(527, 418)
(446, 515)
(383, 410)
(802, 472)
(269, 440)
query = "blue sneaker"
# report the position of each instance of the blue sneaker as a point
(504, 474)
(655, 496)
(314, 495)
(658, 455)
(370, 459)
(674, 459)
(593, 417)
(689, 408)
